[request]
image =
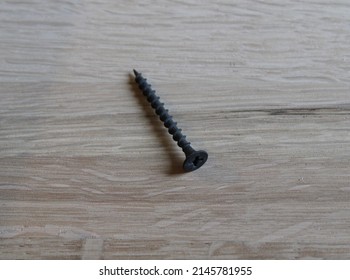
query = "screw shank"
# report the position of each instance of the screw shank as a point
(163, 114)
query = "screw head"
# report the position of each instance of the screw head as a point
(195, 160)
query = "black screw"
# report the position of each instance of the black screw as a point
(194, 159)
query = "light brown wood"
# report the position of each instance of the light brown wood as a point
(88, 172)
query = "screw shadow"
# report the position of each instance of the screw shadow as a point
(162, 135)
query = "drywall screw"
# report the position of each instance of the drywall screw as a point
(194, 159)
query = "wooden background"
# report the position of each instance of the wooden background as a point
(87, 171)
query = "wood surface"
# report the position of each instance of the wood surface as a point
(87, 171)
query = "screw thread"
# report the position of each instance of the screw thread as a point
(163, 114)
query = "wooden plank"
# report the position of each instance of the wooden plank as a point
(88, 172)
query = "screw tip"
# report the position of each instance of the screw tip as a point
(135, 72)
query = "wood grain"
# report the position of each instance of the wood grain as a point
(88, 172)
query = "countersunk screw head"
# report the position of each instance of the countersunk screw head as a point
(195, 160)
